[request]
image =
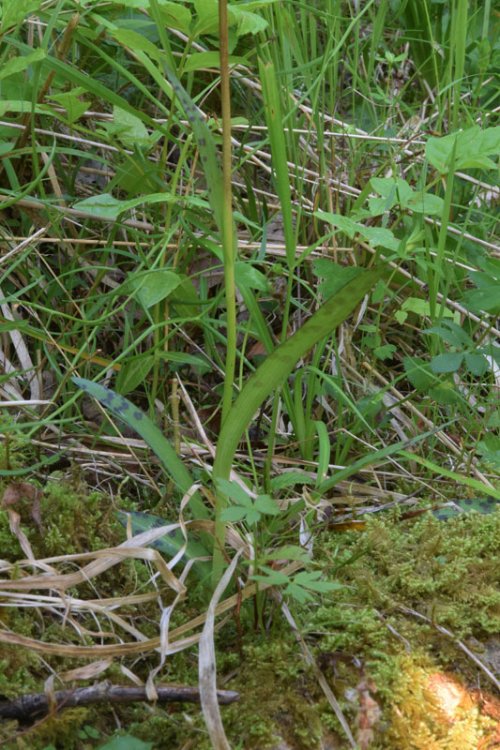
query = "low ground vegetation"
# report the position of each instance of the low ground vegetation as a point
(249, 369)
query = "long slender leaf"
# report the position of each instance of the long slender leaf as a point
(459, 478)
(149, 432)
(278, 365)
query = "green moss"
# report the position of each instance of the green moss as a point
(279, 698)
(61, 732)
(446, 571)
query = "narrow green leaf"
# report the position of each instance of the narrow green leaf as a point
(206, 146)
(377, 457)
(149, 432)
(133, 372)
(274, 119)
(459, 478)
(278, 365)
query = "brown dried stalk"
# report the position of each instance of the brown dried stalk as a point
(27, 708)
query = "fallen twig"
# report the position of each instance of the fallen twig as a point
(33, 706)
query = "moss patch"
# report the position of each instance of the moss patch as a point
(361, 635)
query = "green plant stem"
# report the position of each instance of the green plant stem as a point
(229, 255)
(227, 215)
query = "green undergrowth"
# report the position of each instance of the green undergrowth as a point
(445, 571)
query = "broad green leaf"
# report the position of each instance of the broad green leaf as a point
(252, 517)
(177, 360)
(426, 203)
(136, 42)
(280, 363)
(375, 236)
(235, 492)
(175, 16)
(186, 301)
(234, 513)
(266, 505)
(129, 129)
(448, 362)
(445, 393)
(421, 307)
(149, 432)
(452, 333)
(476, 364)
(250, 277)
(207, 17)
(246, 22)
(334, 275)
(288, 552)
(141, 4)
(103, 206)
(417, 306)
(106, 206)
(384, 352)
(379, 237)
(128, 742)
(394, 191)
(486, 298)
(17, 64)
(207, 21)
(74, 106)
(15, 11)
(273, 577)
(23, 106)
(489, 449)
(473, 149)
(301, 595)
(171, 543)
(343, 223)
(151, 287)
(201, 60)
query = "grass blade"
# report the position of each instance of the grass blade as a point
(149, 432)
(278, 365)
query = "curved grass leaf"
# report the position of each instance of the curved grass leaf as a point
(280, 363)
(149, 432)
